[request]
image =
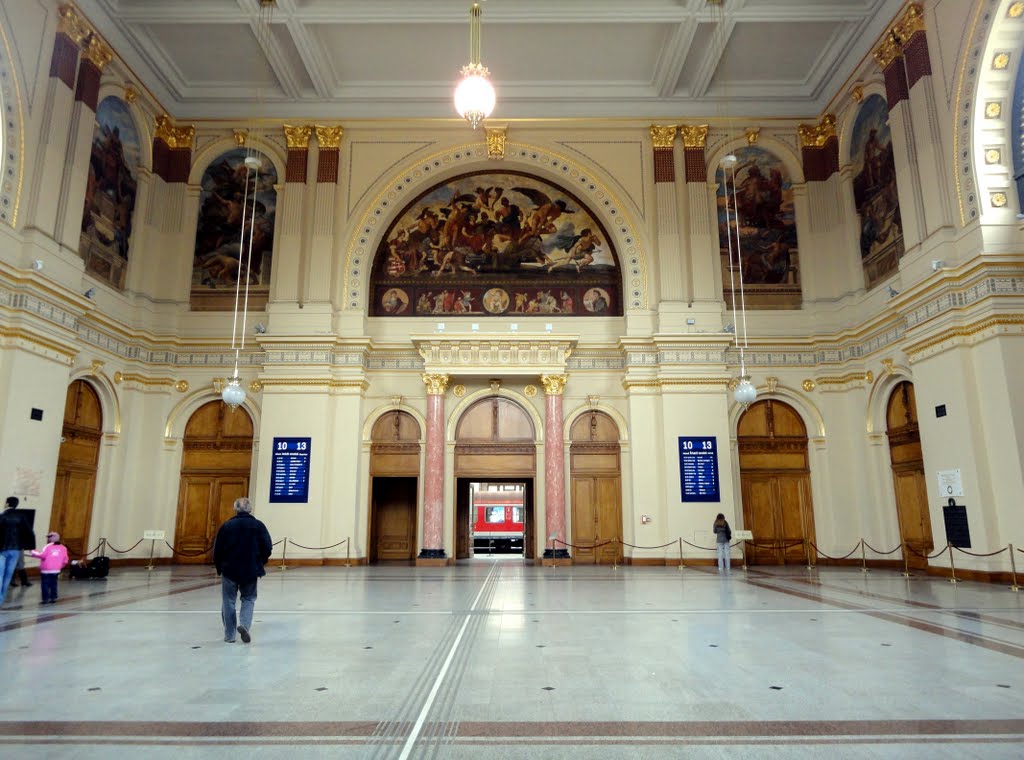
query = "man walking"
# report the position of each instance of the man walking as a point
(15, 537)
(240, 551)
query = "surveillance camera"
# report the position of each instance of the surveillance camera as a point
(90, 292)
(937, 264)
(37, 265)
(893, 292)
(259, 328)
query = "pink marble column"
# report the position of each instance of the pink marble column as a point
(433, 482)
(554, 467)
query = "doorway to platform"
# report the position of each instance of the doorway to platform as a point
(494, 518)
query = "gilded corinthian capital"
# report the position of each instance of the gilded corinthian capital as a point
(98, 52)
(436, 384)
(816, 135)
(329, 137)
(71, 24)
(663, 137)
(174, 137)
(297, 137)
(553, 384)
(695, 136)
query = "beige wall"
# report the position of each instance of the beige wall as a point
(328, 370)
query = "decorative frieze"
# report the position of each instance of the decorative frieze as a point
(496, 138)
(481, 354)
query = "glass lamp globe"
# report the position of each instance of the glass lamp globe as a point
(474, 95)
(233, 393)
(744, 393)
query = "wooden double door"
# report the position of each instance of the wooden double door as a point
(215, 470)
(77, 463)
(393, 510)
(775, 483)
(595, 490)
(907, 462)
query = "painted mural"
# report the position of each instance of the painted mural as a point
(761, 211)
(110, 192)
(224, 213)
(874, 191)
(493, 244)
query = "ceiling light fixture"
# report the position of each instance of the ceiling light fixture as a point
(474, 94)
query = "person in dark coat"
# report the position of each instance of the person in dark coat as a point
(15, 537)
(240, 550)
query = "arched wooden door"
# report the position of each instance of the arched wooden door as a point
(215, 466)
(908, 474)
(394, 480)
(494, 443)
(71, 514)
(596, 489)
(775, 482)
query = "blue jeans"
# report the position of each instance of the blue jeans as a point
(724, 556)
(230, 590)
(48, 582)
(8, 561)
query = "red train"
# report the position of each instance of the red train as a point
(498, 526)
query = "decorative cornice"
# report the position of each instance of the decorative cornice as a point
(816, 135)
(481, 353)
(19, 335)
(98, 52)
(553, 384)
(329, 137)
(71, 24)
(496, 138)
(134, 377)
(298, 137)
(436, 384)
(175, 137)
(694, 136)
(663, 137)
(850, 377)
(913, 350)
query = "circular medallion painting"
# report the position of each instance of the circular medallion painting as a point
(394, 301)
(597, 300)
(495, 300)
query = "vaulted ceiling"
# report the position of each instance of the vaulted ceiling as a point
(548, 58)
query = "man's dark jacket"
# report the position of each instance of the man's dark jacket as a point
(15, 532)
(242, 548)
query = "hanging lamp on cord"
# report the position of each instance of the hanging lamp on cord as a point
(745, 392)
(234, 394)
(474, 94)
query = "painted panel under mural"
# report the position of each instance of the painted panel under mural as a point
(874, 191)
(225, 208)
(110, 193)
(766, 224)
(496, 243)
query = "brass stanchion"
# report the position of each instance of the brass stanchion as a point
(906, 560)
(743, 554)
(807, 552)
(952, 565)
(618, 548)
(681, 553)
(152, 548)
(1013, 571)
(348, 552)
(284, 553)
(103, 547)
(863, 558)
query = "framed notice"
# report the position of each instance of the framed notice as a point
(289, 471)
(698, 468)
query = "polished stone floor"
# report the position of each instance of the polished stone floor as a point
(494, 659)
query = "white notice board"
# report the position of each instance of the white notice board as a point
(950, 483)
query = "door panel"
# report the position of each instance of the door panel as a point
(584, 521)
(908, 475)
(394, 519)
(596, 519)
(759, 498)
(609, 519)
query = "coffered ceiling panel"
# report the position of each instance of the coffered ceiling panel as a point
(564, 58)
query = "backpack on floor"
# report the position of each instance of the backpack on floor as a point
(97, 567)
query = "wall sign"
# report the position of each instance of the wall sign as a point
(698, 468)
(289, 471)
(958, 531)
(950, 483)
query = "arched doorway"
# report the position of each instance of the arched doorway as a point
(775, 482)
(908, 474)
(494, 448)
(394, 481)
(71, 513)
(215, 467)
(596, 488)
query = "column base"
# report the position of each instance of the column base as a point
(432, 558)
(556, 554)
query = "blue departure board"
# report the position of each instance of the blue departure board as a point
(289, 471)
(698, 468)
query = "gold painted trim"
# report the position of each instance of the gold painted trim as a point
(888, 52)
(72, 24)
(181, 386)
(1016, 10)
(298, 136)
(240, 136)
(174, 136)
(910, 23)
(963, 332)
(816, 135)
(851, 377)
(956, 122)
(857, 93)
(134, 377)
(752, 134)
(21, 125)
(678, 382)
(694, 136)
(1000, 61)
(459, 390)
(329, 137)
(98, 52)
(808, 385)
(255, 386)
(663, 137)
(311, 382)
(496, 138)
(17, 333)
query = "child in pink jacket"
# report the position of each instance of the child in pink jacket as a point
(53, 558)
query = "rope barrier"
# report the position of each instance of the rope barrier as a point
(574, 546)
(315, 548)
(187, 554)
(119, 551)
(660, 546)
(876, 551)
(278, 542)
(98, 547)
(826, 556)
(974, 554)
